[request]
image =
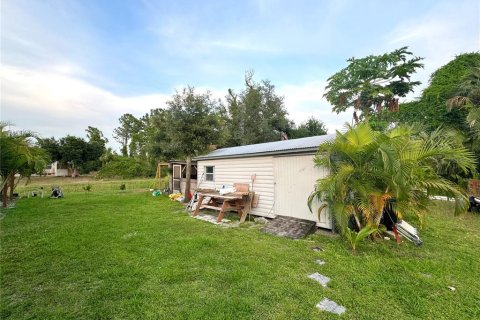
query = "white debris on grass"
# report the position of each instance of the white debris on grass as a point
(442, 198)
(331, 306)
(235, 224)
(129, 235)
(261, 220)
(320, 262)
(320, 278)
(210, 218)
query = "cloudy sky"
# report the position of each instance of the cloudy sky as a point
(66, 64)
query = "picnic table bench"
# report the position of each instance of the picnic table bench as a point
(239, 201)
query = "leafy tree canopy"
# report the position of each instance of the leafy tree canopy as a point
(96, 136)
(193, 122)
(129, 126)
(193, 125)
(255, 115)
(311, 127)
(77, 152)
(373, 83)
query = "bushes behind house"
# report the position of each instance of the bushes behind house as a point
(126, 168)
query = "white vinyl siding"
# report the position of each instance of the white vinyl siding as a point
(295, 178)
(283, 183)
(240, 170)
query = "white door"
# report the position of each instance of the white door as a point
(295, 178)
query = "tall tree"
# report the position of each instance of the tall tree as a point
(255, 115)
(129, 125)
(156, 142)
(374, 83)
(193, 124)
(52, 147)
(95, 148)
(95, 135)
(74, 152)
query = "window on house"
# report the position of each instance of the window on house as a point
(209, 173)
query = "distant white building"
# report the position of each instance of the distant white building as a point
(57, 170)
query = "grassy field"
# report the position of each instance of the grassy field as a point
(69, 184)
(109, 254)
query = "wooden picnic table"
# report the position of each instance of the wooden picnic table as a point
(235, 200)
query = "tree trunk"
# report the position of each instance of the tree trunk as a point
(12, 185)
(4, 191)
(188, 171)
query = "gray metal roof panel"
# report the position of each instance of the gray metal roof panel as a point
(294, 145)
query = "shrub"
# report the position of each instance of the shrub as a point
(126, 168)
(367, 168)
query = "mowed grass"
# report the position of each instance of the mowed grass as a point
(68, 184)
(128, 255)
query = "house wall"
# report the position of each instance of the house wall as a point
(61, 173)
(49, 170)
(295, 177)
(240, 170)
(283, 183)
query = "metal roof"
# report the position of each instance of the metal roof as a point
(302, 145)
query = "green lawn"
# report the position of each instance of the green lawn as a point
(114, 255)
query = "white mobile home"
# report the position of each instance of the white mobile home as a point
(282, 173)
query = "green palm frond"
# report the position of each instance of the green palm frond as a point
(368, 167)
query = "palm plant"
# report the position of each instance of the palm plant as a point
(17, 156)
(368, 168)
(468, 97)
(355, 237)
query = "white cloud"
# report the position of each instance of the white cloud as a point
(56, 103)
(448, 29)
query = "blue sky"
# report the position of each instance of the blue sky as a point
(66, 65)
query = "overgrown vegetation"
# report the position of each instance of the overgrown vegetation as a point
(451, 101)
(431, 110)
(126, 168)
(372, 84)
(369, 168)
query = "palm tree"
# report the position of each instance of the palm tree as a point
(368, 168)
(468, 96)
(18, 155)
